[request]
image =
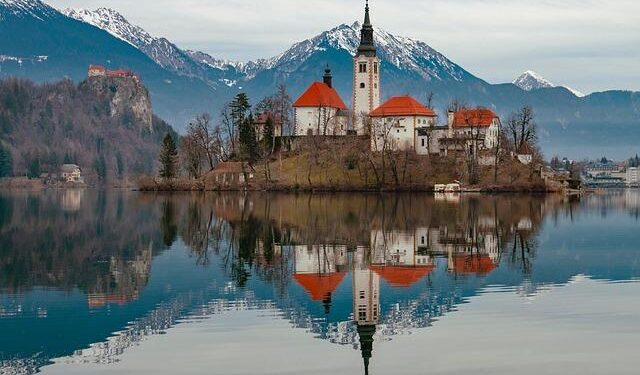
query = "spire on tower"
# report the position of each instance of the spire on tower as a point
(367, 46)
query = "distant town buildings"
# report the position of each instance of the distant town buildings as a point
(610, 175)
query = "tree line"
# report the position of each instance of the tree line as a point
(233, 136)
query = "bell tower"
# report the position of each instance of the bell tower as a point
(366, 76)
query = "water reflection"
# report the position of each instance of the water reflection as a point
(84, 275)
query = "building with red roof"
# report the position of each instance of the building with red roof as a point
(478, 128)
(395, 124)
(320, 110)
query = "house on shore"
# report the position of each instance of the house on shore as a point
(229, 175)
(71, 173)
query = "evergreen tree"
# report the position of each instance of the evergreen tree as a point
(34, 168)
(6, 162)
(248, 142)
(268, 135)
(240, 109)
(168, 158)
(100, 166)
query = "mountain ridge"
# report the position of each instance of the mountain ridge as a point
(206, 83)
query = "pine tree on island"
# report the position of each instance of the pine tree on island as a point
(168, 158)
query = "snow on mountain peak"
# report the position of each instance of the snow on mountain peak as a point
(112, 22)
(33, 8)
(402, 52)
(531, 80)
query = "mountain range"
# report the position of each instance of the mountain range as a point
(45, 44)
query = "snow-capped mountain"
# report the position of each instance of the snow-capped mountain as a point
(531, 80)
(161, 50)
(25, 8)
(403, 53)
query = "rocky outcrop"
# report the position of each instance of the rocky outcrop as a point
(127, 97)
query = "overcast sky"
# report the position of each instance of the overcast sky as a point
(589, 45)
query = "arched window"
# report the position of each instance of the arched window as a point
(362, 85)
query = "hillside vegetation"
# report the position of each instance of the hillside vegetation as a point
(105, 125)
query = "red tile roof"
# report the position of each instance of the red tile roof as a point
(320, 95)
(480, 264)
(481, 117)
(401, 106)
(319, 286)
(402, 276)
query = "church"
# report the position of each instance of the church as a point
(400, 123)
(321, 111)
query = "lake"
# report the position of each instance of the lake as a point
(111, 282)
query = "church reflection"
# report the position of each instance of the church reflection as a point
(351, 269)
(401, 259)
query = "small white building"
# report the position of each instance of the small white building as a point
(71, 173)
(320, 110)
(395, 125)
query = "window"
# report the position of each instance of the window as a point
(422, 146)
(362, 85)
(362, 67)
(375, 68)
(375, 85)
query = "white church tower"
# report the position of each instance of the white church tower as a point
(366, 76)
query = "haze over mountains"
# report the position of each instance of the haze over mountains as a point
(44, 44)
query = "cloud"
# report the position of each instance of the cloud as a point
(587, 44)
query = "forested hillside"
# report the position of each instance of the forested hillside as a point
(104, 124)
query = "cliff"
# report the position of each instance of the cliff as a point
(126, 96)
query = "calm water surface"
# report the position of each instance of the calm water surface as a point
(112, 282)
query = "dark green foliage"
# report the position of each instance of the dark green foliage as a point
(248, 141)
(34, 168)
(239, 109)
(6, 162)
(168, 158)
(268, 136)
(100, 166)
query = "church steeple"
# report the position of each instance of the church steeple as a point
(367, 47)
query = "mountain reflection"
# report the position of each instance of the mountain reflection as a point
(351, 269)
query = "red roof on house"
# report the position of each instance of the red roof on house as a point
(481, 117)
(402, 276)
(320, 95)
(402, 106)
(318, 286)
(480, 264)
